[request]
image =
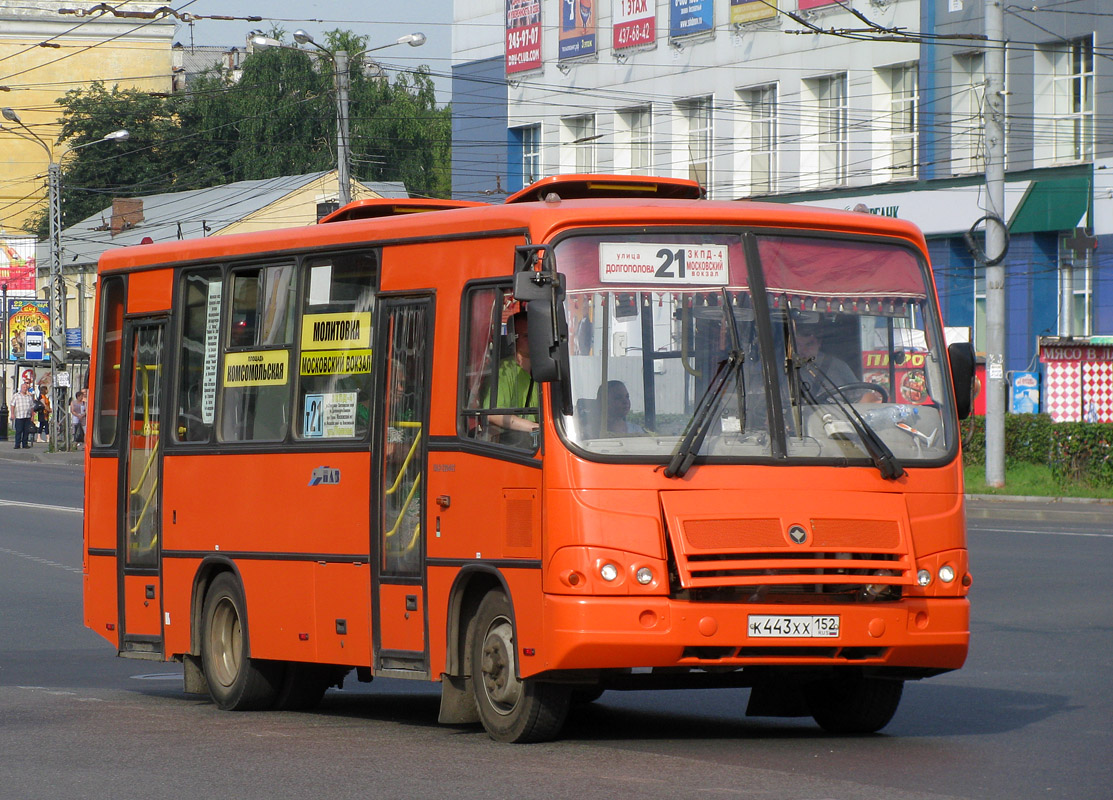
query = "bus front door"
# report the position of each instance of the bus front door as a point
(139, 538)
(399, 617)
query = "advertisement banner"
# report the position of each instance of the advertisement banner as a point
(24, 316)
(577, 28)
(635, 23)
(523, 35)
(1025, 397)
(806, 4)
(17, 264)
(911, 383)
(743, 11)
(687, 17)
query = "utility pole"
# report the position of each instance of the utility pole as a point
(343, 154)
(995, 243)
(58, 420)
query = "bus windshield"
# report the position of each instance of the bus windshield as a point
(748, 346)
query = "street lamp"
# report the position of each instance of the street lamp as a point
(57, 286)
(340, 61)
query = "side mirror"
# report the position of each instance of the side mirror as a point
(548, 349)
(961, 357)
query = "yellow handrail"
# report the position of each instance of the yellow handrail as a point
(409, 455)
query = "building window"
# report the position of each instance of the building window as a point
(1063, 122)
(1075, 290)
(833, 130)
(697, 118)
(581, 143)
(635, 141)
(903, 98)
(759, 108)
(1073, 65)
(531, 154)
(968, 114)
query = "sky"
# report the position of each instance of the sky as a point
(380, 21)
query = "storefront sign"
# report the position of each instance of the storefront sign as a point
(743, 11)
(577, 28)
(523, 35)
(634, 23)
(691, 16)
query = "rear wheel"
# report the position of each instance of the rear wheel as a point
(236, 681)
(511, 709)
(303, 686)
(853, 704)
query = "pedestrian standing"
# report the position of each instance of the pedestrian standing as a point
(22, 405)
(42, 408)
(77, 417)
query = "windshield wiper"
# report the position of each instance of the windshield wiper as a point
(879, 452)
(736, 347)
(700, 423)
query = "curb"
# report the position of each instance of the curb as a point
(1005, 498)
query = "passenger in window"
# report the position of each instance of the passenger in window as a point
(516, 389)
(615, 398)
(810, 338)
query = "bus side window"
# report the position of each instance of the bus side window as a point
(200, 342)
(491, 372)
(255, 391)
(479, 353)
(334, 360)
(106, 418)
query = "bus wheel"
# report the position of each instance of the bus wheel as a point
(853, 704)
(582, 695)
(236, 682)
(511, 709)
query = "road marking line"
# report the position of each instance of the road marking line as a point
(40, 560)
(41, 506)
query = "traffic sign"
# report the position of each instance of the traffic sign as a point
(33, 343)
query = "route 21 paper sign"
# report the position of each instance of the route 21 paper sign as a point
(661, 264)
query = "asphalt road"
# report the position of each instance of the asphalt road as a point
(1030, 716)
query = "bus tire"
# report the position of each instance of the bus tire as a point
(853, 704)
(236, 681)
(511, 709)
(303, 686)
(582, 695)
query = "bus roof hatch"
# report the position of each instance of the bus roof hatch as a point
(575, 187)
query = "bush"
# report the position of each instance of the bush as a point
(1081, 453)
(1077, 452)
(1027, 439)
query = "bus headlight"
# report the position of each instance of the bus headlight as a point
(946, 573)
(644, 576)
(923, 578)
(608, 572)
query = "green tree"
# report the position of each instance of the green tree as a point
(278, 119)
(146, 163)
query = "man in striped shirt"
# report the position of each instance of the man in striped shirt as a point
(22, 406)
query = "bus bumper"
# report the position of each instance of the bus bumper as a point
(929, 634)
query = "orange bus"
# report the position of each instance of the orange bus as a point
(605, 435)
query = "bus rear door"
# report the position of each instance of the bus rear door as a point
(399, 618)
(139, 542)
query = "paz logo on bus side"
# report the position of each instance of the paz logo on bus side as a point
(324, 475)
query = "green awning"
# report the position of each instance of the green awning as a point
(1052, 204)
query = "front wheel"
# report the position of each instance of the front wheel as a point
(853, 704)
(236, 681)
(511, 709)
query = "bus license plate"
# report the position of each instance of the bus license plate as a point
(794, 627)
